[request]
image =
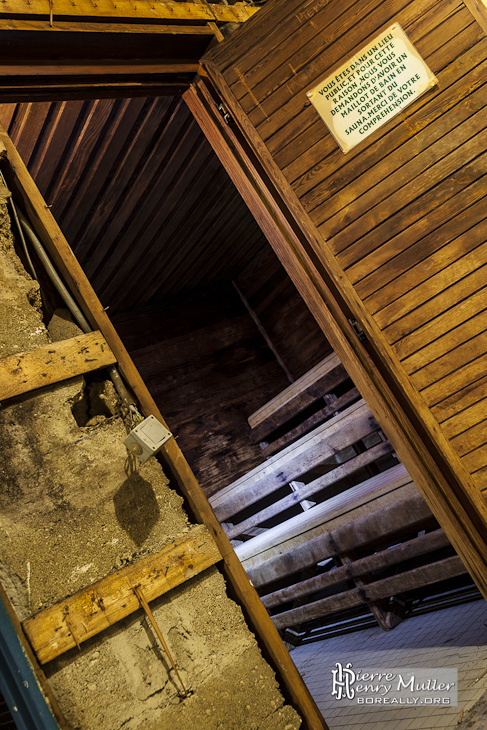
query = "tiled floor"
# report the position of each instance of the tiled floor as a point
(455, 637)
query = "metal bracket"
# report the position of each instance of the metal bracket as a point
(225, 114)
(358, 331)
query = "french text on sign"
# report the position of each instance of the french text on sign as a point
(371, 88)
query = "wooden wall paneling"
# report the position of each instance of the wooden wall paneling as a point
(461, 490)
(364, 176)
(451, 335)
(434, 230)
(442, 160)
(49, 132)
(302, 115)
(26, 124)
(78, 150)
(150, 222)
(173, 459)
(94, 177)
(452, 264)
(152, 116)
(146, 185)
(278, 108)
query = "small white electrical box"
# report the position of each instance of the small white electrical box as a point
(147, 438)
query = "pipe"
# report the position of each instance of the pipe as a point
(73, 307)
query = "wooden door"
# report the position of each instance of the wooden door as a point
(388, 239)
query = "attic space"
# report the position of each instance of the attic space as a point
(179, 263)
(275, 431)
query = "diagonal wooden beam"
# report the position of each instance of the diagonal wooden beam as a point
(26, 371)
(155, 10)
(71, 622)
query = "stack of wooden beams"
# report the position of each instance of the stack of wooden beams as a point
(367, 535)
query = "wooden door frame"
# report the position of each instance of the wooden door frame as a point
(435, 468)
(177, 469)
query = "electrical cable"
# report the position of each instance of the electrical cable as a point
(74, 309)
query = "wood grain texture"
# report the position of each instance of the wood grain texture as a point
(26, 371)
(88, 612)
(379, 560)
(367, 530)
(409, 580)
(164, 9)
(298, 458)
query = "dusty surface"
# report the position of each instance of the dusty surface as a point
(219, 662)
(476, 717)
(21, 325)
(72, 510)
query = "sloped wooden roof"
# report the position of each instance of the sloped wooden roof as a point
(142, 199)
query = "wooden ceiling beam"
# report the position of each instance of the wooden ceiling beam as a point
(100, 69)
(117, 9)
(102, 26)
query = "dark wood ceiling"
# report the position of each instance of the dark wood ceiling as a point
(141, 197)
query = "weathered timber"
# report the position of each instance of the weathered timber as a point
(74, 620)
(307, 490)
(290, 406)
(26, 371)
(407, 581)
(309, 423)
(163, 10)
(174, 460)
(395, 518)
(383, 559)
(377, 607)
(294, 390)
(314, 448)
(101, 27)
(296, 528)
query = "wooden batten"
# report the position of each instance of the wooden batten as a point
(93, 609)
(399, 516)
(22, 185)
(27, 371)
(409, 580)
(358, 568)
(387, 236)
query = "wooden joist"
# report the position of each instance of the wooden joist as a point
(339, 404)
(314, 448)
(88, 612)
(307, 490)
(161, 10)
(411, 579)
(26, 371)
(358, 568)
(394, 519)
(306, 525)
(325, 376)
